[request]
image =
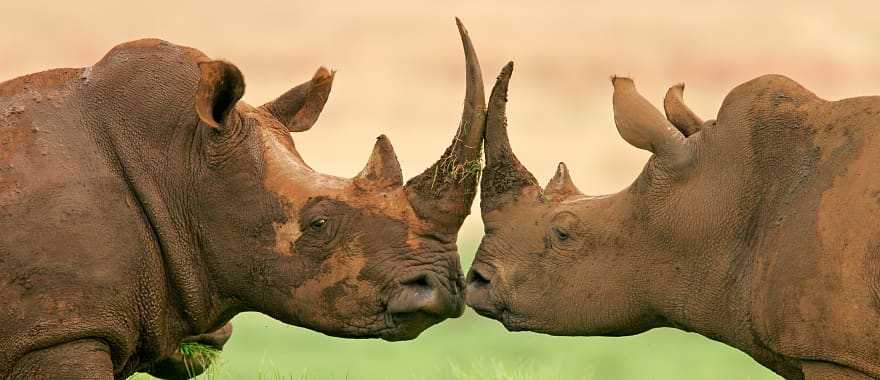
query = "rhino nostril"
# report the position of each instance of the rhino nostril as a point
(424, 293)
(477, 278)
(416, 280)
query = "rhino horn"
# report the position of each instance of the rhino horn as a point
(298, 108)
(561, 186)
(639, 123)
(382, 170)
(444, 192)
(504, 177)
(679, 114)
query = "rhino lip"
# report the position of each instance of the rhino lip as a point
(406, 326)
(501, 314)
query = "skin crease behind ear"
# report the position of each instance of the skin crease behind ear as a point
(744, 232)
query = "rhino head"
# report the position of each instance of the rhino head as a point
(368, 256)
(556, 261)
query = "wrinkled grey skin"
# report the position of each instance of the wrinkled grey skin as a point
(758, 230)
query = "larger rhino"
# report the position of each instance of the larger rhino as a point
(141, 203)
(758, 229)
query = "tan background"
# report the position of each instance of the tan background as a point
(400, 72)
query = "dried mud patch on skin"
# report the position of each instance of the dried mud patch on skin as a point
(42, 80)
(11, 140)
(352, 234)
(503, 181)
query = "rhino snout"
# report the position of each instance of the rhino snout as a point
(477, 293)
(424, 293)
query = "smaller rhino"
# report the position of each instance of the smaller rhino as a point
(758, 230)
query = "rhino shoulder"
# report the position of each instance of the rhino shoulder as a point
(771, 90)
(767, 101)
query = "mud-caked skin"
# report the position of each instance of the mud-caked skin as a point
(758, 229)
(142, 203)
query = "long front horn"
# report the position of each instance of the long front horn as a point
(504, 177)
(444, 192)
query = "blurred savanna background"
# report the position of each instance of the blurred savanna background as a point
(400, 72)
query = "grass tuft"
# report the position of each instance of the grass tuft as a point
(198, 354)
(450, 170)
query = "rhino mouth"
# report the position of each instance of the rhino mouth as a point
(422, 301)
(501, 314)
(407, 326)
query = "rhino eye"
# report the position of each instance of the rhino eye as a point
(560, 234)
(318, 224)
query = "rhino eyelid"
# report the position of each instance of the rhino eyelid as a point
(560, 234)
(318, 224)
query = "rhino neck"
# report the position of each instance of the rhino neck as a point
(138, 103)
(702, 230)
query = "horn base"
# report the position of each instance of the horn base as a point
(445, 190)
(503, 182)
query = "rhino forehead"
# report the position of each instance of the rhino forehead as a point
(286, 175)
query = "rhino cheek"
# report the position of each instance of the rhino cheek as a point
(285, 234)
(334, 296)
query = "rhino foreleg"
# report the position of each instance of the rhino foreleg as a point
(81, 359)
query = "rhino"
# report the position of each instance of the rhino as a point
(756, 229)
(141, 203)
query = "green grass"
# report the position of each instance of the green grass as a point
(471, 348)
(198, 355)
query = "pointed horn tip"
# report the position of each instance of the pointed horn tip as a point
(384, 142)
(465, 36)
(676, 90)
(506, 72)
(560, 184)
(460, 25)
(323, 74)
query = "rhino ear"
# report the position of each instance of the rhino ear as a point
(382, 170)
(639, 123)
(678, 113)
(561, 185)
(298, 108)
(221, 85)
